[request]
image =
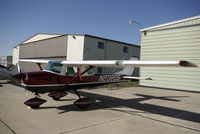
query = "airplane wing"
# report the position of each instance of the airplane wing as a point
(128, 63)
(117, 63)
(34, 61)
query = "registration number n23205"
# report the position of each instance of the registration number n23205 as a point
(109, 78)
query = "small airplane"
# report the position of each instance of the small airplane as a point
(58, 77)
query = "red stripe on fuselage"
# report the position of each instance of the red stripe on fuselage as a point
(48, 78)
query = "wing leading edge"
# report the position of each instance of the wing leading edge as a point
(34, 61)
(117, 63)
(128, 63)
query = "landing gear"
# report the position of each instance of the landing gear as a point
(83, 102)
(57, 95)
(35, 102)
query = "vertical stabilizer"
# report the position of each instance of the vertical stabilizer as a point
(128, 70)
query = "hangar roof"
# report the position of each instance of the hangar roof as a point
(175, 24)
(44, 36)
(40, 36)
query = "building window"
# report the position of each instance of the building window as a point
(100, 45)
(99, 70)
(125, 49)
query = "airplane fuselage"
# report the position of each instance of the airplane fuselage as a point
(46, 81)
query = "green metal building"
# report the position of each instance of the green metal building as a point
(178, 40)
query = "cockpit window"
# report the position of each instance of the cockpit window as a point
(54, 66)
(71, 71)
(57, 67)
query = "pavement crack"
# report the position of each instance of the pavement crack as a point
(139, 115)
(8, 126)
(96, 124)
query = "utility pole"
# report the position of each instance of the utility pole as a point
(137, 23)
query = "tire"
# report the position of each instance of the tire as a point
(56, 98)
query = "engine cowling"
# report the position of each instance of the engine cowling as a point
(19, 77)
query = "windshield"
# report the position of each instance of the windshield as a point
(57, 67)
(54, 66)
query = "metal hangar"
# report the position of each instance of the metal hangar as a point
(178, 40)
(72, 47)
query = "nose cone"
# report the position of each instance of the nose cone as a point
(19, 77)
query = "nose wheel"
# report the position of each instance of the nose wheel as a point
(35, 102)
(57, 95)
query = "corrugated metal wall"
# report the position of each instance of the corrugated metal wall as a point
(112, 51)
(175, 42)
(27, 66)
(51, 49)
(54, 47)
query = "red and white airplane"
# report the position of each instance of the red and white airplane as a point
(58, 77)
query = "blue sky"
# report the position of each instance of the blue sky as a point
(21, 19)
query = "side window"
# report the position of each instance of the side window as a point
(57, 68)
(125, 49)
(71, 71)
(101, 45)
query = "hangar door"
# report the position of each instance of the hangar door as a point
(53, 48)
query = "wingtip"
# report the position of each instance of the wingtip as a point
(187, 64)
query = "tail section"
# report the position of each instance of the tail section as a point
(7, 73)
(4, 73)
(128, 70)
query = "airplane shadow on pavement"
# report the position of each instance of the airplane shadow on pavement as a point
(108, 102)
(10, 82)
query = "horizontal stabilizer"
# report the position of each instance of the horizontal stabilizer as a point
(6, 73)
(136, 78)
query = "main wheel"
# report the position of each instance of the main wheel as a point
(84, 102)
(56, 98)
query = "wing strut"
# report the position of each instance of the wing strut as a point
(81, 102)
(39, 65)
(79, 76)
